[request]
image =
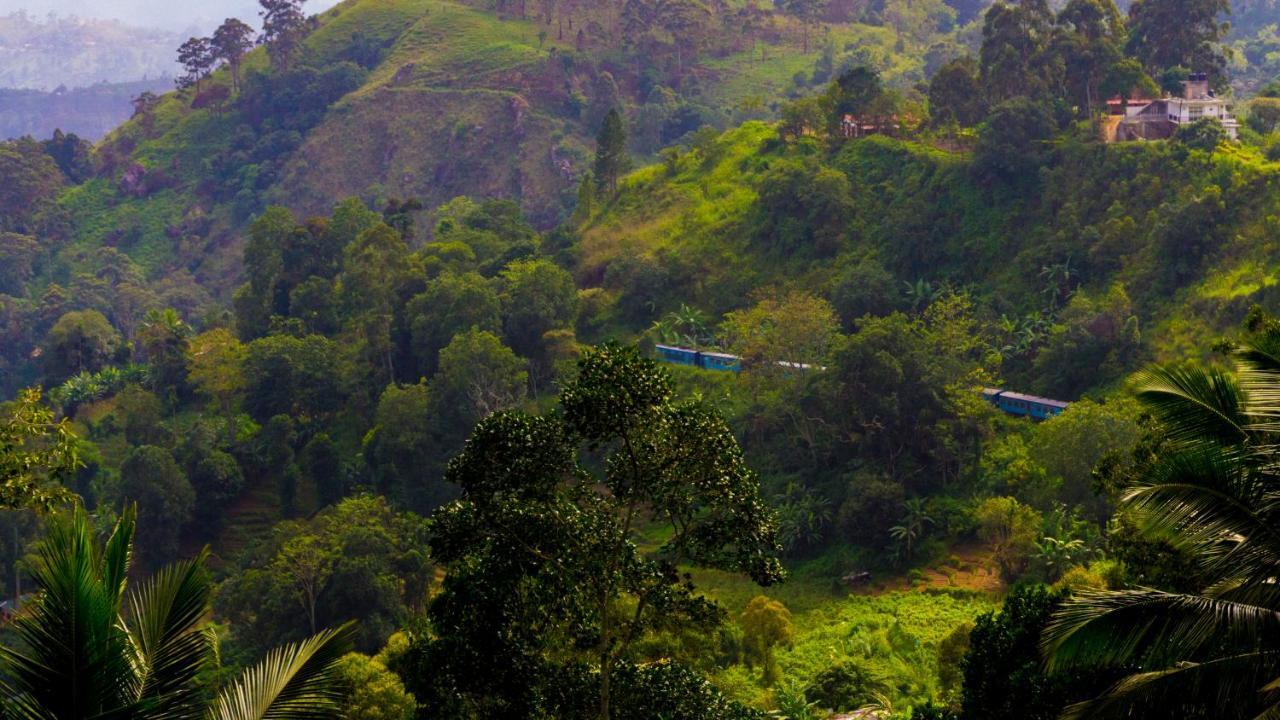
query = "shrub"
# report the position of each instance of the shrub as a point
(844, 686)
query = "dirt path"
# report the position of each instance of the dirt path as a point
(968, 567)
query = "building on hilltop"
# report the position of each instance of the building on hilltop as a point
(856, 126)
(1160, 119)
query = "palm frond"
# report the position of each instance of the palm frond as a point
(169, 645)
(293, 682)
(118, 554)
(1196, 404)
(1209, 500)
(1258, 367)
(1151, 628)
(1231, 687)
(74, 659)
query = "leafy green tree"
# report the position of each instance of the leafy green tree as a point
(371, 691)
(72, 154)
(795, 328)
(286, 375)
(91, 650)
(544, 580)
(912, 527)
(17, 262)
(478, 376)
(612, 160)
(1014, 142)
(376, 269)
(844, 686)
(217, 479)
(197, 58)
(803, 207)
(856, 92)
(1205, 653)
(766, 623)
(321, 462)
(1072, 444)
(31, 183)
(450, 304)
(283, 27)
(37, 453)
(1204, 134)
(230, 42)
(405, 448)
(215, 364)
(1088, 42)
(955, 94)
(866, 288)
(360, 559)
(150, 477)
(1013, 59)
(1004, 673)
(163, 337)
(1126, 79)
(1011, 529)
(81, 341)
(141, 414)
(1171, 33)
(537, 297)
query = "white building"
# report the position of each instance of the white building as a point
(1158, 119)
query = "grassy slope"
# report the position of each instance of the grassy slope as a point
(919, 209)
(436, 119)
(893, 634)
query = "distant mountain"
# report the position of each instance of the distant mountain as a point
(89, 112)
(44, 54)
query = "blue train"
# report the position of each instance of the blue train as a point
(698, 359)
(1032, 406)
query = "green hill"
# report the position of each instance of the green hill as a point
(1183, 236)
(433, 100)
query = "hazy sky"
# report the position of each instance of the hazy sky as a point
(171, 14)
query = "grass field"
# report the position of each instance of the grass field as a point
(893, 634)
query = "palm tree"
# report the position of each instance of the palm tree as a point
(912, 526)
(89, 649)
(1213, 490)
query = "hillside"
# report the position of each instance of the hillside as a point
(1184, 236)
(432, 100)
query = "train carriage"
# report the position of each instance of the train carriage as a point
(1023, 405)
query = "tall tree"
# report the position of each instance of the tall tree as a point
(197, 58)
(81, 341)
(230, 42)
(37, 453)
(1012, 57)
(1088, 42)
(164, 496)
(1164, 34)
(283, 26)
(547, 592)
(1212, 491)
(611, 151)
(92, 650)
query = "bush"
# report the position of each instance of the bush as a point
(872, 505)
(844, 686)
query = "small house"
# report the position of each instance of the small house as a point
(1160, 119)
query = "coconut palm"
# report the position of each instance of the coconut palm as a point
(1214, 490)
(92, 650)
